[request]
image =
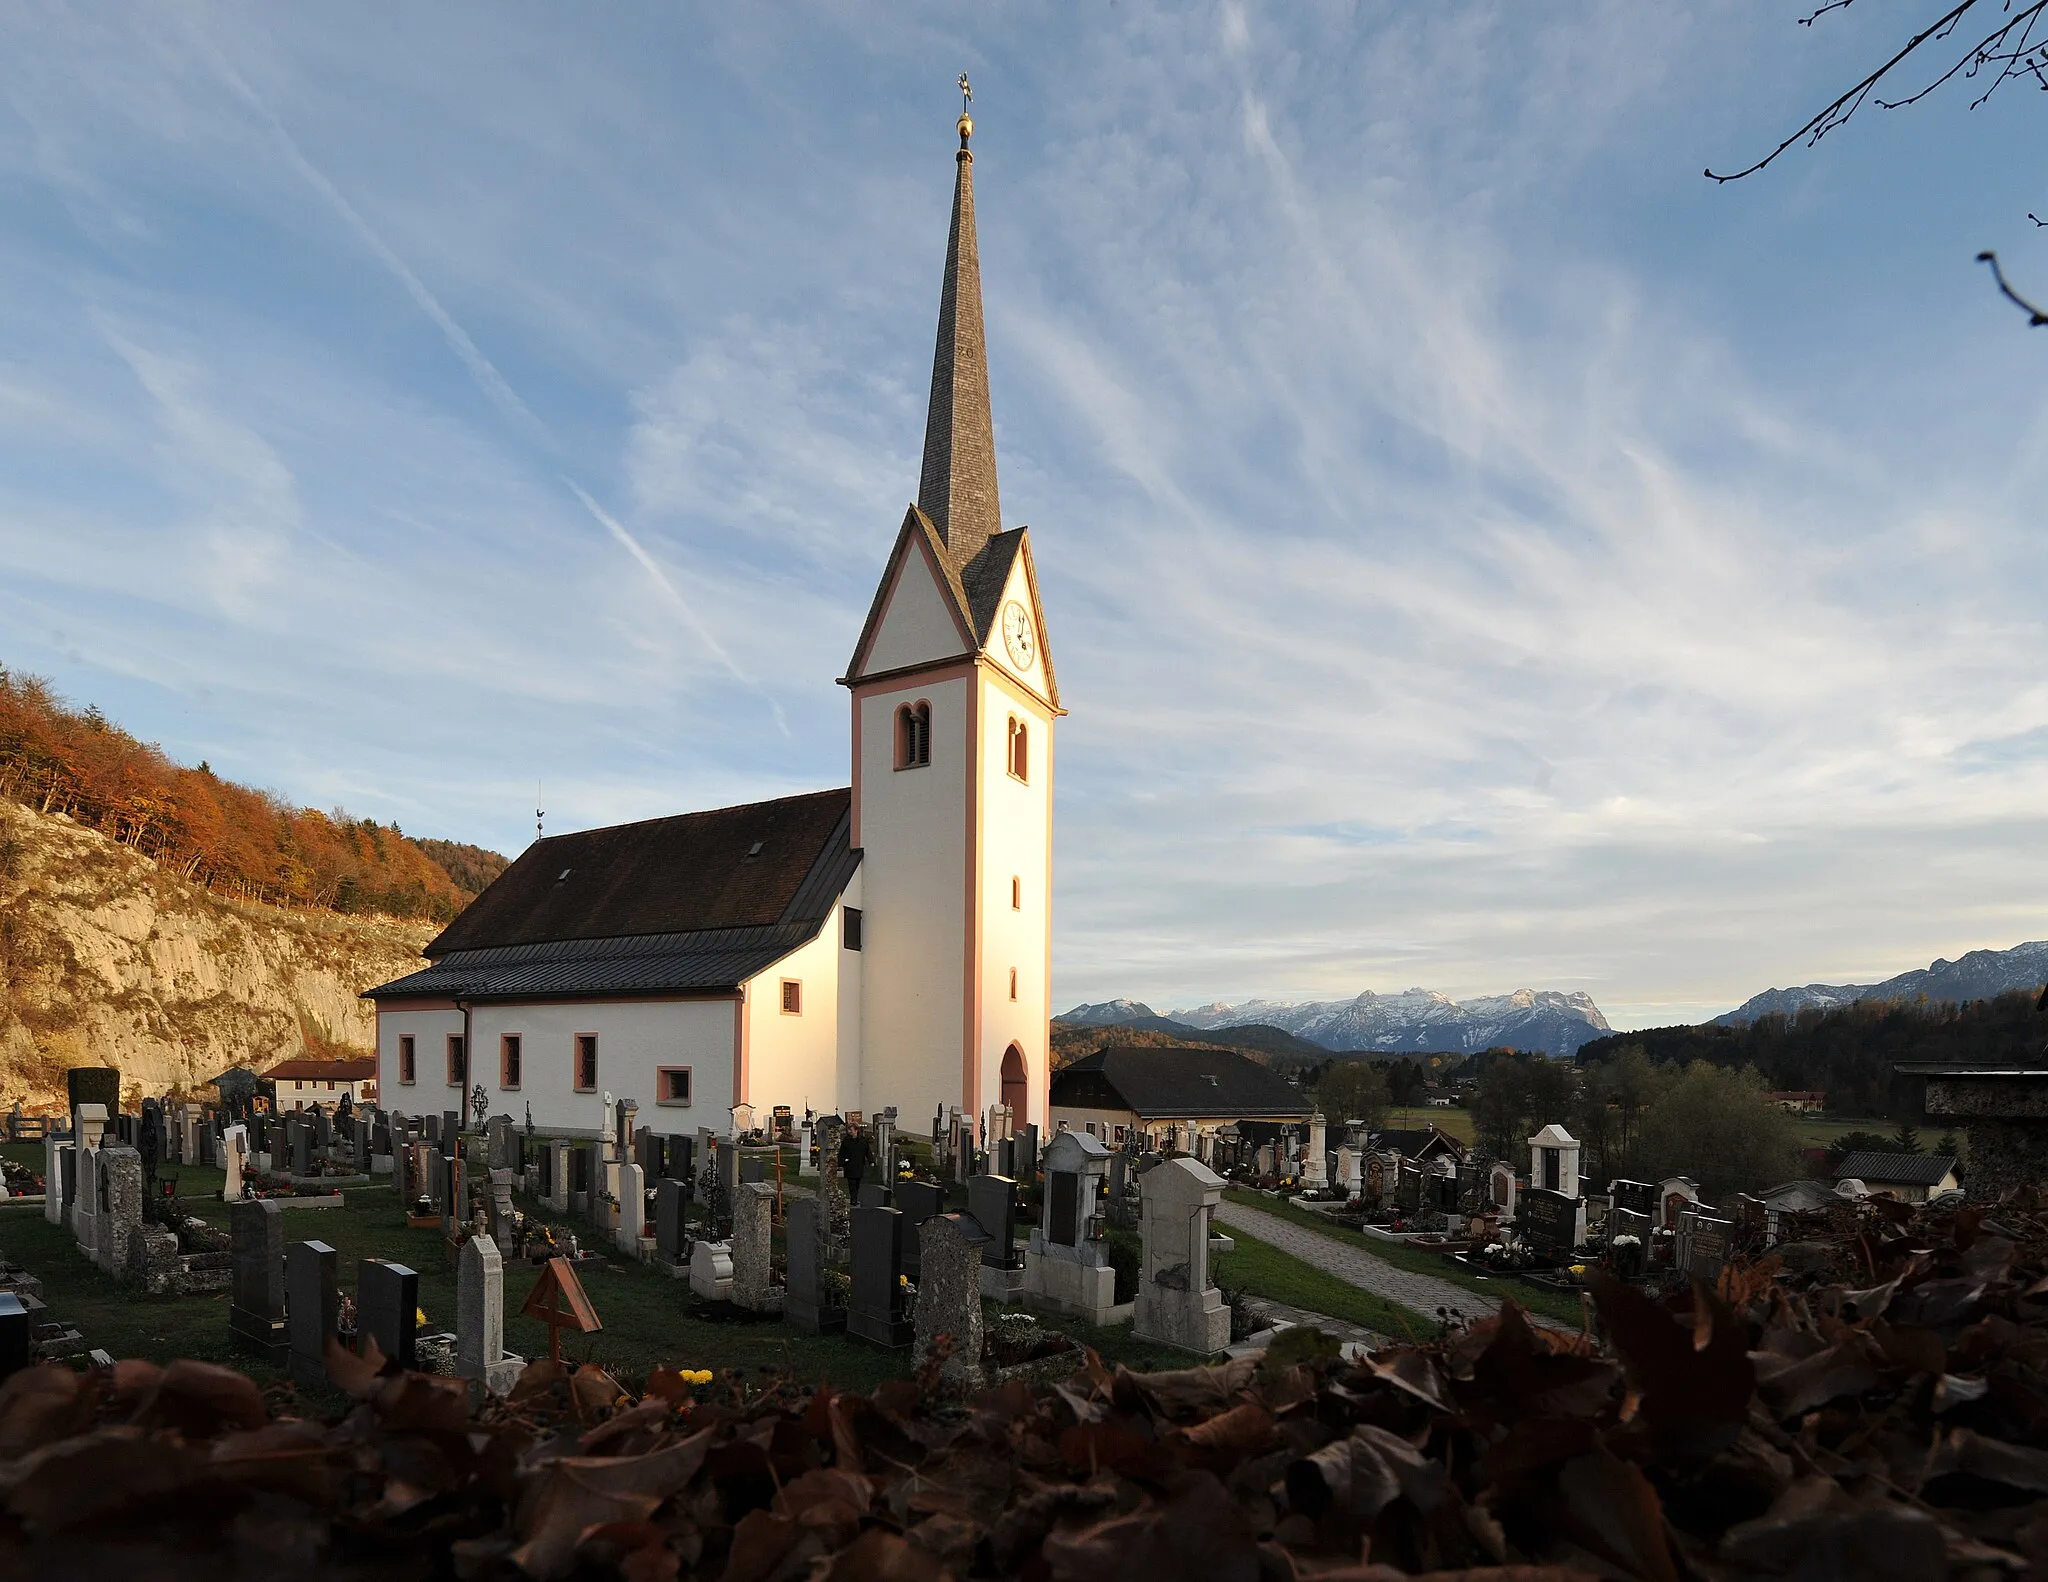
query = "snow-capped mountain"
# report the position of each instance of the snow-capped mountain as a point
(1976, 976)
(1110, 1013)
(1421, 1019)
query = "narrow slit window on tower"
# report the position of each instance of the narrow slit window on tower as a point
(1016, 893)
(1020, 750)
(1013, 983)
(408, 1064)
(849, 936)
(914, 736)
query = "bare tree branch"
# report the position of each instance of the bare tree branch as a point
(2035, 319)
(2014, 47)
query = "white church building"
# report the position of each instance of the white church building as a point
(887, 943)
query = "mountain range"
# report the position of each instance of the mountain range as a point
(1418, 1021)
(1976, 976)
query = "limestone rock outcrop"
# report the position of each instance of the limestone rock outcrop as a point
(106, 959)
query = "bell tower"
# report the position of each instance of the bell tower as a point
(954, 703)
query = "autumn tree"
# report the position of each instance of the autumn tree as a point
(1353, 1090)
(1721, 1128)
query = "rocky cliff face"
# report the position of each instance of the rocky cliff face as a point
(107, 960)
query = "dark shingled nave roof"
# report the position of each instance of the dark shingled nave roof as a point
(696, 902)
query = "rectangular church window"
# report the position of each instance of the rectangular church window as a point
(849, 929)
(586, 1062)
(458, 1060)
(508, 1061)
(407, 1058)
(792, 997)
(672, 1084)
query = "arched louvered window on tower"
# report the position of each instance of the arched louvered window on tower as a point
(1020, 749)
(913, 736)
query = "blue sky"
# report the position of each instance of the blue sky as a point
(1478, 551)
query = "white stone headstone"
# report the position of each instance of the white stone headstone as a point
(711, 1271)
(480, 1318)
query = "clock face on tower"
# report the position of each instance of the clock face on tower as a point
(1017, 636)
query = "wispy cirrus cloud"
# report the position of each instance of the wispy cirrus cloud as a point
(1477, 553)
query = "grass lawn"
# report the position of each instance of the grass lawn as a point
(1263, 1270)
(1549, 1303)
(1452, 1122)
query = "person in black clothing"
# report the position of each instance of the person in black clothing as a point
(854, 1154)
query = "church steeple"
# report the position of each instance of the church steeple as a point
(958, 487)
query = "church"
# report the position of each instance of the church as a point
(884, 943)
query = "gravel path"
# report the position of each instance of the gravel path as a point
(1419, 1293)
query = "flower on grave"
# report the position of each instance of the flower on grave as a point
(419, 1317)
(1578, 1268)
(1627, 1241)
(697, 1375)
(1494, 1249)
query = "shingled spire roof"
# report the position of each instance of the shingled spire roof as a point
(958, 487)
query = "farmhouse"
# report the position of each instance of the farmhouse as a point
(1191, 1093)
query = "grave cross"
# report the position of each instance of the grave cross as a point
(557, 1300)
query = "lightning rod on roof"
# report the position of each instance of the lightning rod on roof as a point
(538, 815)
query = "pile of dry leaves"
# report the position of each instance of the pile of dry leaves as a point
(1886, 1426)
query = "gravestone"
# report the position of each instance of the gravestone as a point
(875, 1310)
(480, 1353)
(1554, 1161)
(256, 1302)
(711, 1271)
(1550, 1222)
(453, 1175)
(952, 1253)
(1701, 1244)
(919, 1201)
(1675, 1194)
(498, 1142)
(323, 1129)
(1027, 1155)
(680, 1162)
(1408, 1188)
(584, 1177)
(56, 1160)
(632, 1208)
(992, 1200)
(1315, 1171)
(313, 1304)
(556, 1174)
(806, 1301)
(1177, 1302)
(302, 1149)
(874, 1195)
(671, 1220)
(234, 1155)
(728, 1165)
(753, 1227)
(433, 1132)
(504, 1217)
(832, 1190)
(120, 1219)
(17, 1350)
(387, 1309)
(451, 1131)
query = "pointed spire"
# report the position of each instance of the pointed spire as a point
(958, 487)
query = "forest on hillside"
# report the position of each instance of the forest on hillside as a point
(1848, 1052)
(234, 840)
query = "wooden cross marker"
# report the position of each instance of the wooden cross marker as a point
(557, 1300)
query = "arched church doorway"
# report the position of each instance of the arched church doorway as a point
(1016, 1084)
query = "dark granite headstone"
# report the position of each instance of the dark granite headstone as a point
(992, 1200)
(647, 1150)
(1064, 1189)
(582, 1166)
(1027, 1155)
(310, 1272)
(1548, 1221)
(547, 1172)
(755, 1167)
(804, 1302)
(919, 1201)
(256, 1304)
(302, 1149)
(16, 1349)
(323, 1129)
(1638, 1197)
(671, 1218)
(387, 1309)
(451, 1129)
(682, 1153)
(874, 1195)
(875, 1312)
(70, 1167)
